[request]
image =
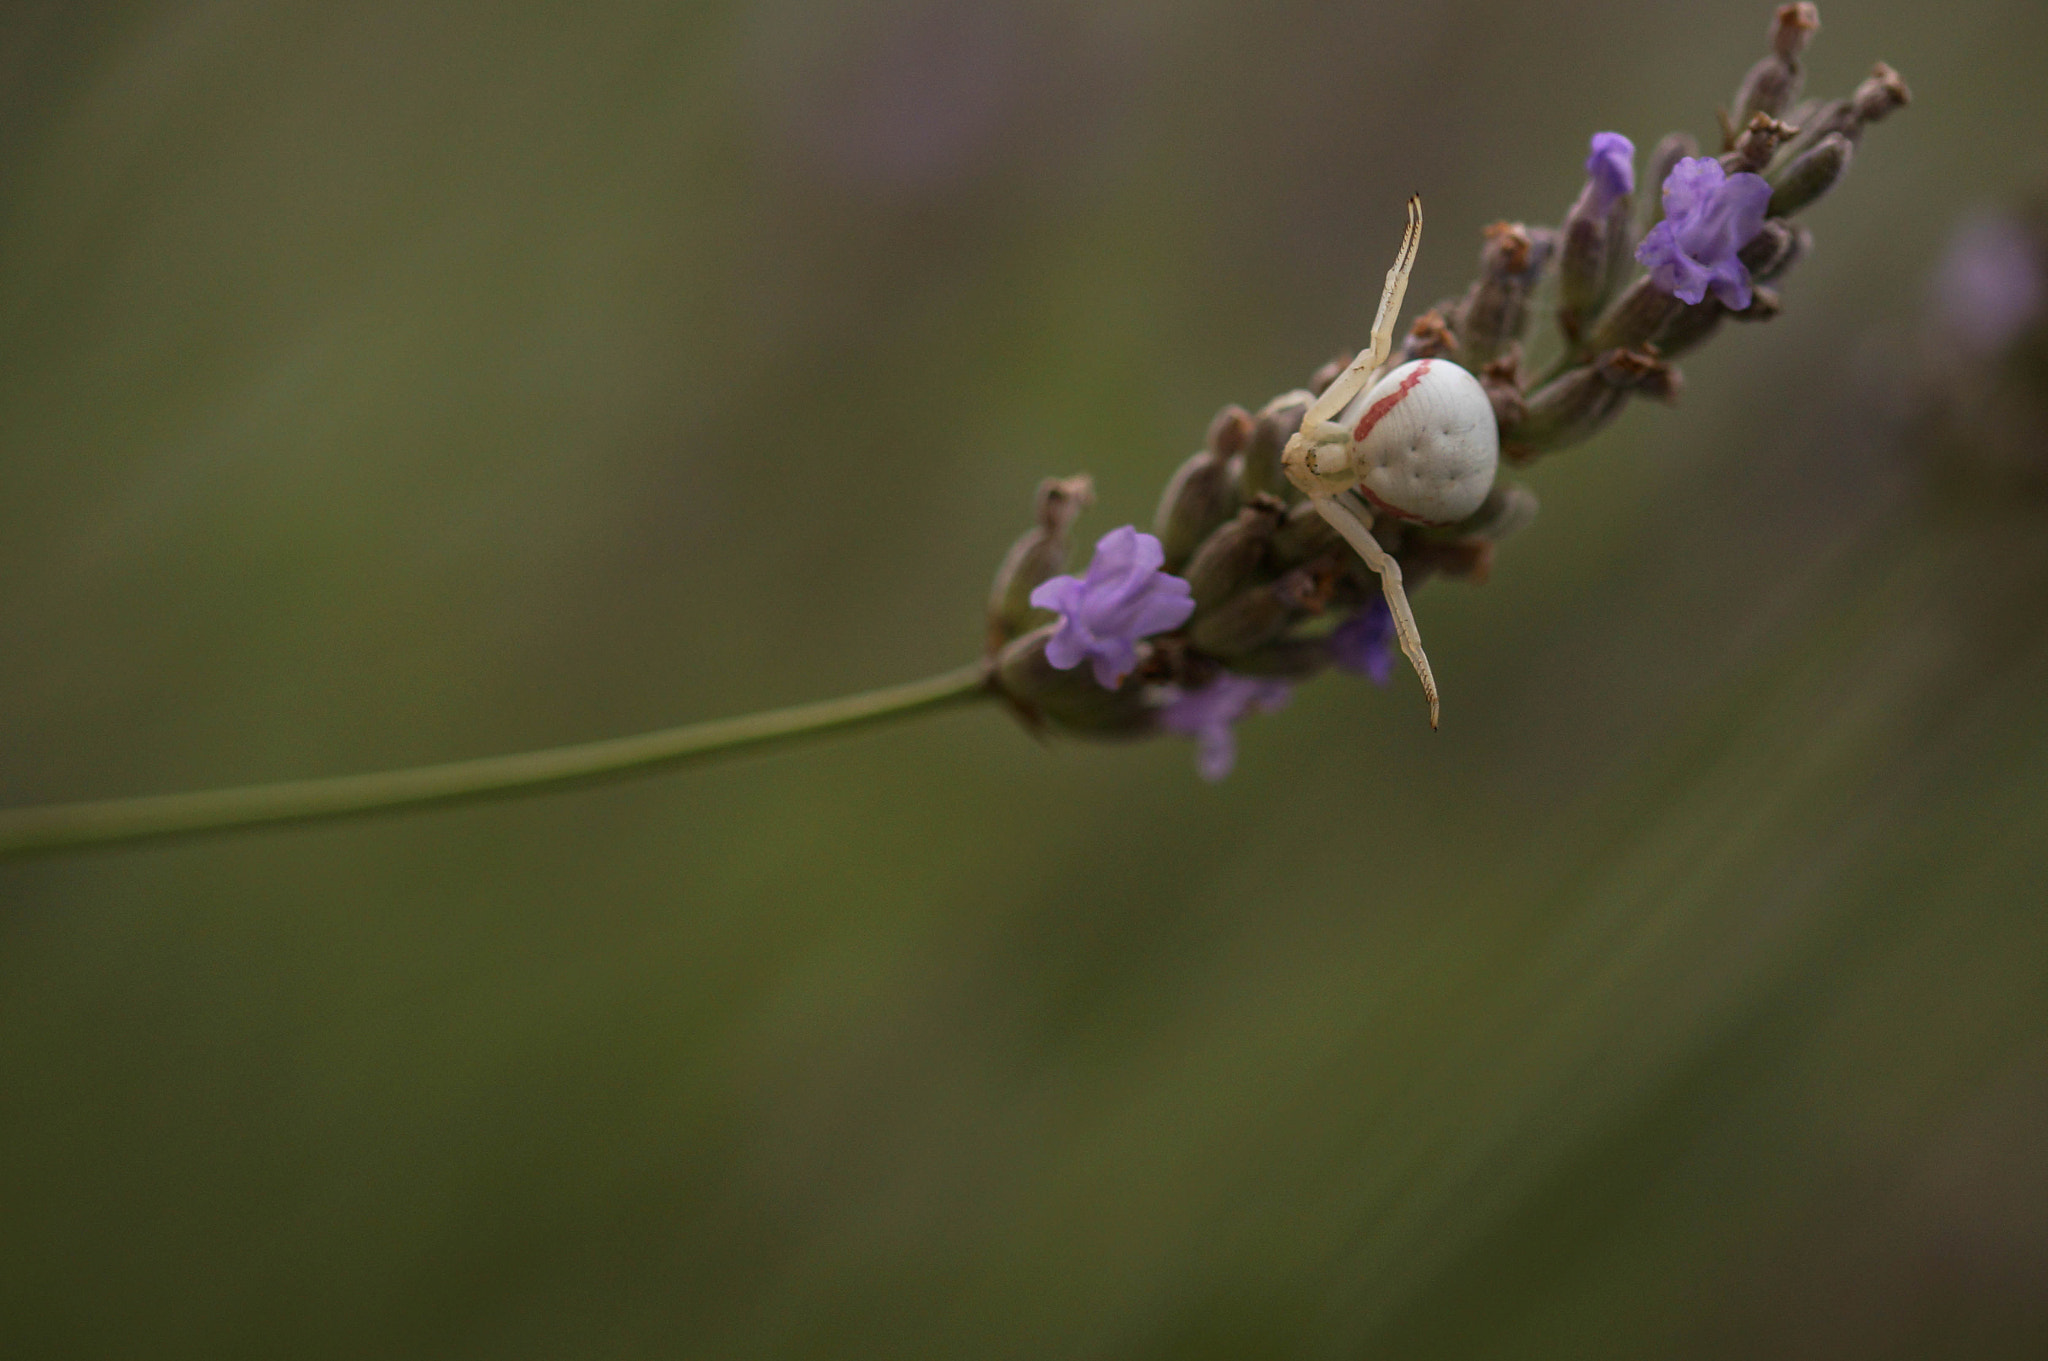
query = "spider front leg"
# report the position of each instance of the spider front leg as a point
(1350, 518)
(1358, 375)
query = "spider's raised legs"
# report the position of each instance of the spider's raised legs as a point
(1323, 458)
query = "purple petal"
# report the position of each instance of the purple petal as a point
(1743, 201)
(1058, 594)
(1674, 271)
(1166, 607)
(1730, 284)
(1215, 753)
(1123, 598)
(1710, 216)
(1208, 713)
(1271, 695)
(1690, 187)
(1114, 659)
(1122, 552)
(1189, 711)
(1067, 646)
(1115, 608)
(1611, 169)
(1364, 643)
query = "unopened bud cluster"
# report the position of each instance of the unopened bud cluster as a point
(1241, 589)
(1714, 240)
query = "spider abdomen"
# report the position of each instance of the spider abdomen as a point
(1427, 443)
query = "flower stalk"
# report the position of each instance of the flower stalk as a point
(72, 826)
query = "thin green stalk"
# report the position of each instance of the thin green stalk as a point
(67, 826)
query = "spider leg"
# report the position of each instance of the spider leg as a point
(1389, 315)
(1349, 518)
(1358, 375)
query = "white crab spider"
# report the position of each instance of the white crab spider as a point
(1420, 445)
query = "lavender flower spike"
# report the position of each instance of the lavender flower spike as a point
(1123, 598)
(1364, 643)
(1208, 713)
(1709, 215)
(1610, 170)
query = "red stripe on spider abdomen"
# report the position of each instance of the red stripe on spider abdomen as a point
(1377, 412)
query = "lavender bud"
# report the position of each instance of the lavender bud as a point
(1758, 142)
(1255, 617)
(1610, 172)
(1586, 244)
(1792, 29)
(1259, 470)
(1495, 311)
(1431, 336)
(1809, 175)
(1292, 659)
(1573, 407)
(1502, 382)
(1635, 370)
(1797, 249)
(1883, 91)
(1229, 558)
(1068, 698)
(1773, 83)
(1770, 85)
(1035, 558)
(1635, 320)
(1621, 245)
(1832, 116)
(1303, 535)
(1581, 271)
(1229, 431)
(1691, 328)
(1664, 383)
(1562, 412)
(1200, 496)
(1803, 114)
(1507, 510)
(1767, 250)
(1459, 559)
(1880, 93)
(1245, 621)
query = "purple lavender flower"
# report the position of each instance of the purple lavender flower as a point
(1709, 215)
(1364, 643)
(1208, 713)
(1610, 170)
(1123, 598)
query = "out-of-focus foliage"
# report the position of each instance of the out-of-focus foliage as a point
(390, 382)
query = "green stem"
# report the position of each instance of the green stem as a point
(56, 827)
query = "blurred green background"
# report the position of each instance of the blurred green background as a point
(393, 382)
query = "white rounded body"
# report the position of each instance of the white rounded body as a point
(1426, 444)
